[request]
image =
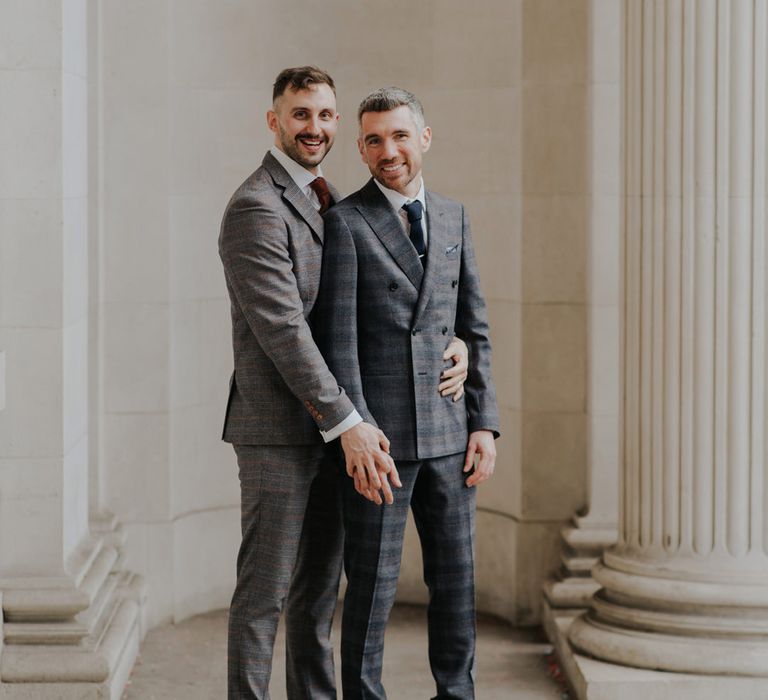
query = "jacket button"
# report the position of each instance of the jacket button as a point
(445, 329)
(454, 283)
(393, 286)
(414, 331)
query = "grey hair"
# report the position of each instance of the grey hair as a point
(389, 98)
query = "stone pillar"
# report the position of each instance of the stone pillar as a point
(69, 617)
(596, 528)
(686, 588)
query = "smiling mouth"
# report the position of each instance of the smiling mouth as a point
(312, 144)
(390, 169)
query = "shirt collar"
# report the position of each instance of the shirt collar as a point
(299, 174)
(397, 200)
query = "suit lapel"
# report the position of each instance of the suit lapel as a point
(385, 223)
(437, 237)
(294, 196)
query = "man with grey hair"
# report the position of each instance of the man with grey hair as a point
(398, 263)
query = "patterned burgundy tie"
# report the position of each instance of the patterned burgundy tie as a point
(320, 186)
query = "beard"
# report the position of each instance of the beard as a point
(292, 148)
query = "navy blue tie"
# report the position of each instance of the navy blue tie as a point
(415, 215)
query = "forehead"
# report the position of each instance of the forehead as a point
(398, 119)
(318, 96)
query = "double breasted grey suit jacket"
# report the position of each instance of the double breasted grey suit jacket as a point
(383, 322)
(271, 244)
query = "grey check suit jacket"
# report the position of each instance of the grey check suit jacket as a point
(383, 322)
(271, 244)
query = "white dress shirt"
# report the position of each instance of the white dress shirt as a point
(303, 178)
(397, 201)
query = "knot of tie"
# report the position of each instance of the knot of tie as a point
(414, 211)
(320, 187)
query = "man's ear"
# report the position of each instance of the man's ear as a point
(361, 150)
(426, 139)
(272, 120)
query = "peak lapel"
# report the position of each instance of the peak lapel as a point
(437, 233)
(294, 196)
(385, 223)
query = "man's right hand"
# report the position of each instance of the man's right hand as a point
(366, 453)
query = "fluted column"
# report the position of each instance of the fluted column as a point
(686, 588)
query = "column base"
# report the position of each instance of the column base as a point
(582, 546)
(73, 637)
(591, 679)
(661, 619)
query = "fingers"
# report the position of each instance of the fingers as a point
(450, 386)
(483, 469)
(383, 462)
(394, 477)
(459, 393)
(373, 475)
(386, 489)
(365, 492)
(469, 460)
(453, 371)
(383, 441)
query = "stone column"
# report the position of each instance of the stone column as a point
(686, 588)
(69, 617)
(596, 527)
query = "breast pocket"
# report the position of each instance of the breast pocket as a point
(453, 251)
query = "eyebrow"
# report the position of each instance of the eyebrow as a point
(397, 132)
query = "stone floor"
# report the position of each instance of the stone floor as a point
(188, 661)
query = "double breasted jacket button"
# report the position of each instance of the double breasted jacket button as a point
(445, 329)
(393, 286)
(454, 283)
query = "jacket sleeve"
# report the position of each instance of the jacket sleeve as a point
(472, 328)
(254, 249)
(334, 318)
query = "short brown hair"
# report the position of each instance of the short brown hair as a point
(300, 79)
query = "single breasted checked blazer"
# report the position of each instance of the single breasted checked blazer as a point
(383, 322)
(271, 244)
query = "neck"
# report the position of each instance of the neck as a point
(312, 169)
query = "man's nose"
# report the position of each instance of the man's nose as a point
(314, 125)
(388, 149)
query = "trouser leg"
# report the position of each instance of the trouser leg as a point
(444, 512)
(274, 486)
(372, 551)
(314, 590)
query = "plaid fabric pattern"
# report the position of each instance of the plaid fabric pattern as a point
(444, 512)
(383, 322)
(290, 558)
(271, 247)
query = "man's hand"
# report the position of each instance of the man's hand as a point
(366, 452)
(480, 444)
(454, 377)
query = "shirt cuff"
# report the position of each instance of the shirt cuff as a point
(349, 422)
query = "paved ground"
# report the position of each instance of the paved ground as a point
(188, 661)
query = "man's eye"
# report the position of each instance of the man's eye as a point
(299, 115)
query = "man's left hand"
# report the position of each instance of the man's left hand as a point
(481, 444)
(454, 377)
